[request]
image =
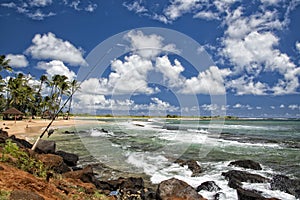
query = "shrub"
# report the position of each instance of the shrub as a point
(22, 160)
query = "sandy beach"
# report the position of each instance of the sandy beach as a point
(32, 128)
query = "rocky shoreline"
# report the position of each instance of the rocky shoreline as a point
(64, 164)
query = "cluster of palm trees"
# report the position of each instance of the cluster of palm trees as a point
(35, 99)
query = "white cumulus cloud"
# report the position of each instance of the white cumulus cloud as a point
(55, 67)
(17, 60)
(49, 47)
(179, 7)
(171, 74)
(130, 76)
(210, 81)
(149, 46)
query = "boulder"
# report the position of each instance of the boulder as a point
(285, 184)
(69, 132)
(234, 183)
(47, 146)
(69, 158)
(243, 176)
(86, 175)
(192, 165)
(128, 188)
(3, 135)
(176, 189)
(53, 162)
(220, 196)
(248, 164)
(20, 142)
(210, 186)
(24, 195)
(244, 194)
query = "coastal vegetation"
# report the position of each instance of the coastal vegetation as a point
(34, 98)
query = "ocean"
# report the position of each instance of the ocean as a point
(149, 147)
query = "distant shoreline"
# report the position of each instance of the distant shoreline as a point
(94, 117)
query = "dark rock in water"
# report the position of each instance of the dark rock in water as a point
(220, 196)
(47, 146)
(285, 184)
(210, 186)
(244, 176)
(86, 175)
(24, 195)
(172, 128)
(176, 189)
(244, 194)
(1, 168)
(70, 159)
(248, 164)
(248, 194)
(192, 165)
(128, 188)
(234, 183)
(53, 162)
(69, 132)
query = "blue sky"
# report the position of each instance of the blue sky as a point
(254, 47)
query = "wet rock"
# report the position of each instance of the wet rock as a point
(169, 127)
(176, 189)
(1, 168)
(244, 194)
(220, 196)
(47, 146)
(70, 159)
(210, 186)
(86, 175)
(234, 183)
(24, 195)
(192, 165)
(285, 184)
(248, 164)
(128, 188)
(243, 176)
(69, 132)
(53, 162)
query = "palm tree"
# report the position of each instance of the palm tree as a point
(38, 96)
(74, 86)
(20, 94)
(43, 79)
(4, 63)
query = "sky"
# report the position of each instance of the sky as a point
(142, 57)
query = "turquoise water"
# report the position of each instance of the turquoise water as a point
(151, 146)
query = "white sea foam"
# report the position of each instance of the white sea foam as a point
(237, 143)
(183, 136)
(160, 169)
(267, 192)
(100, 133)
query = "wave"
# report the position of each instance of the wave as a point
(160, 169)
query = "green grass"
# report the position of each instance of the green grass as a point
(22, 160)
(4, 195)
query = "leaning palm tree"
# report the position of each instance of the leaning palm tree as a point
(74, 86)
